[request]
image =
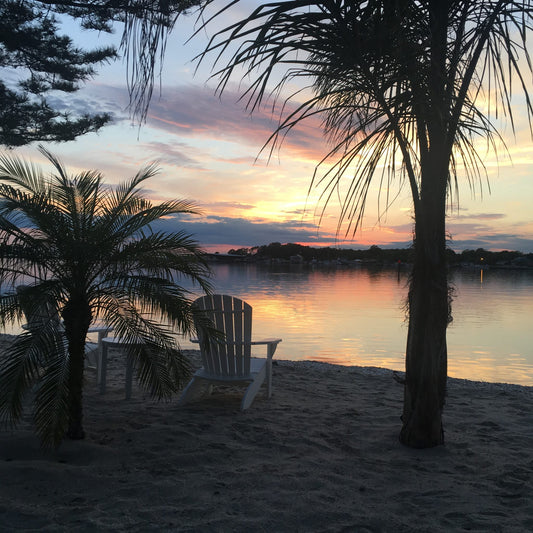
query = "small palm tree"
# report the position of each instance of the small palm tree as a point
(88, 252)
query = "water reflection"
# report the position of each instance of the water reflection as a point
(356, 316)
(492, 316)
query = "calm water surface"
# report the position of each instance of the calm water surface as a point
(355, 316)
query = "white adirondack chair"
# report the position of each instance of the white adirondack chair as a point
(229, 361)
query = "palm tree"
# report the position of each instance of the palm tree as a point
(405, 89)
(89, 252)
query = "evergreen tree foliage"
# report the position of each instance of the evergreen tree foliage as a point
(40, 66)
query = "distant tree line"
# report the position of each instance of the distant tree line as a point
(480, 256)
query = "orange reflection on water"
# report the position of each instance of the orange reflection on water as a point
(328, 315)
(355, 316)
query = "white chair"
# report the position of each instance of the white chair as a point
(38, 316)
(229, 361)
(115, 343)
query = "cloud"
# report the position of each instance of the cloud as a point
(495, 242)
(194, 111)
(93, 99)
(214, 232)
(228, 205)
(213, 142)
(175, 154)
(481, 216)
(477, 234)
(241, 232)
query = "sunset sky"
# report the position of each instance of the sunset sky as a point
(209, 150)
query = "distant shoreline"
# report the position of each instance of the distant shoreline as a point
(237, 259)
(291, 253)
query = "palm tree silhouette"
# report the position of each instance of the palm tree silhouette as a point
(88, 251)
(405, 89)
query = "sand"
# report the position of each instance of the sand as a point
(321, 455)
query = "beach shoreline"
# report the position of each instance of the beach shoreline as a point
(321, 455)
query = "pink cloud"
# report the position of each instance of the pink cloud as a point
(193, 111)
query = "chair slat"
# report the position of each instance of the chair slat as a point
(228, 361)
(238, 337)
(247, 335)
(233, 318)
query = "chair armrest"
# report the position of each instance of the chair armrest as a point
(262, 341)
(266, 341)
(271, 344)
(99, 327)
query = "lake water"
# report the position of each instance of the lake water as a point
(355, 316)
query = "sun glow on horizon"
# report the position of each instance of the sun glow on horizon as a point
(211, 150)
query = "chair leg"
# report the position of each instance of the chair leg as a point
(99, 356)
(250, 393)
(103, 369)
(253, 388)
(269, 377)
(129, 376)
(271, 348)
(191, 390)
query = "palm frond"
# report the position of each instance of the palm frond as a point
(22, 366)
(21, 174)
(151, 343)
(52, 400)
(370, 66)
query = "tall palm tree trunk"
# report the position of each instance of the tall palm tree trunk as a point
(429, 296)
(77, 319)
(429, 311)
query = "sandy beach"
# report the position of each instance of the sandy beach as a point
(321, 455)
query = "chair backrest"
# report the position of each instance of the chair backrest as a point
(37, 315)
(231, 317)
